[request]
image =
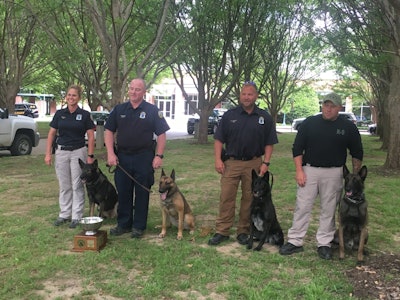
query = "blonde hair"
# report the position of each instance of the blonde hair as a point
(76, 87)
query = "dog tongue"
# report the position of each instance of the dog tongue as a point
(163, 196)
(349, 193)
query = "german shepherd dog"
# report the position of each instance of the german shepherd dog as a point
(100, 190)
(174, 207)
(264, 224)
(353, 214)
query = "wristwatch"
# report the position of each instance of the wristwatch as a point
(266, 163)
(91, 155)
(160, 155)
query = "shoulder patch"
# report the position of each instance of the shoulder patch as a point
(160, 115)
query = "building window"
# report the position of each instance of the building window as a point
(166, 104)
(191, 104)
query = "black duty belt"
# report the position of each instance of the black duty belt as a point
(311, 165)
(244, 158)
(70, 148)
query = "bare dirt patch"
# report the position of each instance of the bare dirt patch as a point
(67, 288)
(379, 278)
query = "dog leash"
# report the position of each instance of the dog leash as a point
(127, 174)
(272, 180)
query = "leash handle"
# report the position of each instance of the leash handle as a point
(110, 168)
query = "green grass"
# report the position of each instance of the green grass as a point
(43, 127)
(36, 261)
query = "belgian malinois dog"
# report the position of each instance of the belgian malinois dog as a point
(264, 224)
(100, 190)
(174, 207)
(353, 214)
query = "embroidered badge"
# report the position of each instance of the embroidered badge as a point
(122, 116)
(340, 132)
(160, 115)
(79, 117)
(261, 120)
(142, 115)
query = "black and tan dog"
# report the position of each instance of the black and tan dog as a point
(100, 190)
(264, 224)
(175, 209)
(353, 214)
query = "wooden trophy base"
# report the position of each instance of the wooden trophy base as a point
(95, 242)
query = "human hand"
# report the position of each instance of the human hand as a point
(48, 159)
(219, 166)
(112, 159)
(157, 162)
(301, 178)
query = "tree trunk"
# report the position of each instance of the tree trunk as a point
(393, 154)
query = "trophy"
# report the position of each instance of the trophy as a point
(91, 238)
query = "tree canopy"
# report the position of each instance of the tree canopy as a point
(216, 45)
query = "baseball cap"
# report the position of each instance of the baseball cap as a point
(334, 98)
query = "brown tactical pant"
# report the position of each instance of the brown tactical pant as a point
(236, 171)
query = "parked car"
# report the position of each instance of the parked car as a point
(26, 109)
(348, 115)
(213, 121)
(18, 134)
(99, 116)
(372, 128)
(362, 121)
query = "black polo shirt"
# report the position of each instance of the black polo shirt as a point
(246, 135)
(72, 127)
(324, 143)
(135, 127)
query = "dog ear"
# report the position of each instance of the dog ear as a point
(363, 172)
(345, 171)
(81, 163)
(266, 176)
(254, 174)
(162, 172)
(173, 174)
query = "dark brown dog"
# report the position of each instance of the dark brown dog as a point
(264, 224)
(175, 209)
(100, 190)
(353, 214)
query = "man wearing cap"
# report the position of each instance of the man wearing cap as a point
(319, 153)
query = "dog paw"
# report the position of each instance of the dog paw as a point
(257, 248)
(161, 235)
(191, 232)
(179, 237)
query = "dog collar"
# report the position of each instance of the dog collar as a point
(355, 200)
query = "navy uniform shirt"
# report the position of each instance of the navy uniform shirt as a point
(246, 135)
(324, 143)
(135, 127)
(72, 127)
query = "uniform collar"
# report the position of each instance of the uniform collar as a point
(256, 110)
(66, 111)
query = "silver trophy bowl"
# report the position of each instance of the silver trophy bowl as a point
(91, 224)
